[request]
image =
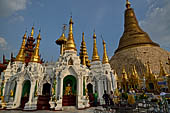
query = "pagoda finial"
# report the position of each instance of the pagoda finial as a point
(128, 4)
(105, 57)
(21, 54)
(95, 56)
(36, 57)
(32, 31)
(70, 44)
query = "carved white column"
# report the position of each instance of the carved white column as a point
(4, 87)
(79, 85)
(100, 87)
(18, 93)
(31, 91)
(61, 87)
(56, 87)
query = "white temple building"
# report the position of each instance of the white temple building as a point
(30, 84)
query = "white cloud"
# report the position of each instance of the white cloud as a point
(157, 22)
(3, 44)
(16, 18)
(8, 7)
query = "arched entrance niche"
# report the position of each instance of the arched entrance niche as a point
(43, 100)
(69, 90)
(25, 93)
(46, 89)
(90, 94)
(90, 88)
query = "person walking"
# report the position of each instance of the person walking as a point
(95, 98)
(106, 97)
(111, 98)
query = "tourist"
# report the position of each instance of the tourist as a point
(111, 98)
(106, 97)
(95, 98)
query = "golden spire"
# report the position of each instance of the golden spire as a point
(135, 72)
(95, 56)
(127, 4)
(162, 70)
(83, 61)
(21, 54)
(62, 41)
(32, 31)
(83, 52)
(148, 70)
(70, 45)
(133, 35)
(105, 57)
(35, 57)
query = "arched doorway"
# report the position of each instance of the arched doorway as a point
(43, 100)
(25, 93)
(46, 89)
(69, 91)
(90, 94)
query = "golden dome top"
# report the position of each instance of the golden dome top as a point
(70, 44)
(21, 54)
(105, 57)
(133, 35)
(95, 56)
(61, 40)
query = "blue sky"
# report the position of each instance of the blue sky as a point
(105, 16)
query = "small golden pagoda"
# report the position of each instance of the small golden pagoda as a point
(62, 41)
(83, 53)
(151, 80)
(36, 57)
(124, 79)
(105, 57)
(70, 44)
(95, 56)
(21, 54)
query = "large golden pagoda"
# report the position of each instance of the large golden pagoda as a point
(133, 35)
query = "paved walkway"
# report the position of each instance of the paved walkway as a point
(89, 110)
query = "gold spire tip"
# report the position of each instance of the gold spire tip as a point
(128, 4)
(32, 31)
(94, 34)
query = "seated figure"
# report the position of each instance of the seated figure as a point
(68, 90)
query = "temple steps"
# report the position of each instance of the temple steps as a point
(69, 100)
(43, 102)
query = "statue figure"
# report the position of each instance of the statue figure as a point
(53, 91)
(86, 92)
(68, 90)
(11, 93)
